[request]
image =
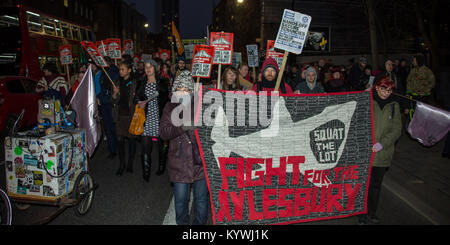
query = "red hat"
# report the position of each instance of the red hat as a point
(270, 62)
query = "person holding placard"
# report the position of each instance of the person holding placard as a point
(269, 75)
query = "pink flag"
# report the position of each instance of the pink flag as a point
(84, 102)
(429, 124)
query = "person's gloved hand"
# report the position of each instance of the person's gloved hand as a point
(377, 147)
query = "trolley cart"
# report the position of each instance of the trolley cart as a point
(49, 170)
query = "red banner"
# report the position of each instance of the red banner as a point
(202, 61)
(94, 53)
(114, 48)
(223, 44)
(65, 54)
(270, 52)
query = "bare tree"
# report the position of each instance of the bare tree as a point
(370, 10)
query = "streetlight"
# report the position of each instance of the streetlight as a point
(146, 25)
(240, 1)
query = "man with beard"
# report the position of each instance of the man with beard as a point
(269, 77)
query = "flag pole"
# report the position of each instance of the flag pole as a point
(218, 79)
(108, 76)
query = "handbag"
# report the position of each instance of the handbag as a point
(138, 121)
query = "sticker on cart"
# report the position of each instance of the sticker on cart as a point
(37, 178)
(35, 188)
(9, 166)
(50, 165)
(18, 150)
(48, 191)
(21, 190)
(30, 160)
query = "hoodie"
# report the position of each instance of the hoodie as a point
(308, 88)
(269, 86)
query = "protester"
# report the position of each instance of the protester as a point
(388, 71)
(181, 66)
(356, 74)
(140, 71)
(52, 84)
(74, 80)
(269, 74)
(243, 71)
(107, 101)
(184, 164)
(127, 87)
(387, 129)
(230, 80)
(420, 80)
(293, 76)
(311, 86)
(366, 77)
(145, 90)
(336, 82)
(402, 75)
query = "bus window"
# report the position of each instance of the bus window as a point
(76, 33)
(11, 42)
(67, 33)
(59, 32)
(34, 22)
(83, 34)
(49, 26)
(9, 21)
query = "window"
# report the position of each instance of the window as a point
(59, 32)
(67, 33)
(76, 33)
(15, 87)
(29, 85)
(34, 22)
(49, 26)
(9, 20)
(83, 35)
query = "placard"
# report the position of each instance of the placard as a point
(94, 53)
(293, 31)
(114, 48)
(270, 52)
(223, 46)
(102, 47)
(164, 54)
(202, 61)
(237, 59)
(65, 54)
(128, 47)
(252, 55)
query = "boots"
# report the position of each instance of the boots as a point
(162, 160)
(121, 151)
(146, 166)
(131, 154)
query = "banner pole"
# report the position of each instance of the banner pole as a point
(68, 77)
(280, 75)
(218, 79)
(108, 76)
(197, 84)
(254, 74)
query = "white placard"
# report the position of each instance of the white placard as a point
(293, 31)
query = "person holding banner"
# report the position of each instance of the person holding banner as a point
(184, 164)
(387, 127)
(269, 74)
(127, 86)
(146, 89)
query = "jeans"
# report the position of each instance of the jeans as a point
(181, 194)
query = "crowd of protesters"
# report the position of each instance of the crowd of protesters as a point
(150, 84)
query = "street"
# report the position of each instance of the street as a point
(129, 200)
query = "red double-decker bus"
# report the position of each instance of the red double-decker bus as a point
(30, 38)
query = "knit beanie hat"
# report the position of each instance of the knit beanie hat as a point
(184, 80)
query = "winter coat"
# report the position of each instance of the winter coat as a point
(305, 89)
(387, 126)
(355, 78)
(126, 105)
(420, 80)
(183, 166)
(335, 86)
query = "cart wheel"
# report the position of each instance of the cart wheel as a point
(83, 184)
(21, 206)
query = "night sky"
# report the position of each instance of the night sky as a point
(195, 15)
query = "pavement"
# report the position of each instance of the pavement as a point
(420, 177)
